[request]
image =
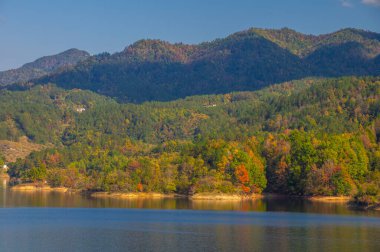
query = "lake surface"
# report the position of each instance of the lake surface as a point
(47, 221)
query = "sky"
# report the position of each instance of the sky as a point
(34, 28)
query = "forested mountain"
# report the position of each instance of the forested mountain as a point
(43, 66)
(249, 60)
(306, 137)
(304, 45)
(210, 119)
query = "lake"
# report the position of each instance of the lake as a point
(48, 221)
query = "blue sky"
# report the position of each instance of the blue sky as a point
(34, 28)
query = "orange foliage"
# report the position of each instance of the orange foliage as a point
(54, 158)
(243, 177)
(134, 164)
(282, 164)
(245, 189)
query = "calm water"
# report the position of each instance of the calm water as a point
(43, 221)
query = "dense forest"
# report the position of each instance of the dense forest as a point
(306, 137)
(245, 61)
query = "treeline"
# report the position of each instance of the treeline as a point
(307, 137)
(294, 162)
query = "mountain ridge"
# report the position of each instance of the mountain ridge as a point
(43, 66)
(153, 69)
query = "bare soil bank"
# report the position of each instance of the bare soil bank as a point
(134, 195)
(332, 199)
(224, 196)
(4, 176)
(33, 187)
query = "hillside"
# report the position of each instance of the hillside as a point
(22, 148)
(249, 60)
(42, 66)
(306, 137)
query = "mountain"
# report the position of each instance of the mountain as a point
(306, 136)
(43, 66)
(245, 61)
(304, 45)
(248, 60)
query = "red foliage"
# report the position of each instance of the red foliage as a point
(243, 177)
(139, 187)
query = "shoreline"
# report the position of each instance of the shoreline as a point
(218, 196)
(316, 198)
(134, 195)
(330, 199)
(224, 196)
(4, 176)
(35, 188)
(198, 196)
(30, 187)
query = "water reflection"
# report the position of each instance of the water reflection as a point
(9, 198)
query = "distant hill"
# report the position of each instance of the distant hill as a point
(248, 60)
(43, 66)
